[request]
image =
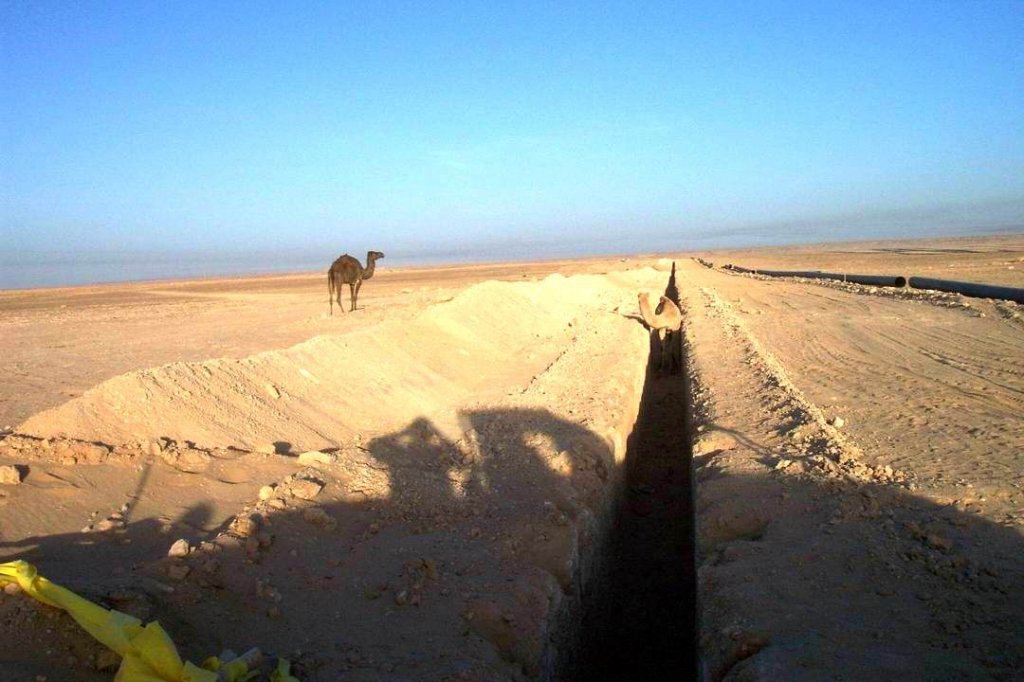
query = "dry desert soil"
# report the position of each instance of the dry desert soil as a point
(484, 473)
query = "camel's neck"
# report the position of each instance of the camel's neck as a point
(370, 265)
(645, 311)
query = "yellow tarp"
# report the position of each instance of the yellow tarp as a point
(148, 654)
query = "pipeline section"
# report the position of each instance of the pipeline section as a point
(969, 289)
(872, 280)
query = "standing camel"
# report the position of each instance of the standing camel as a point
(664, 322)
(347, 270)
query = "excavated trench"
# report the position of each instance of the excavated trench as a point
(639, 616)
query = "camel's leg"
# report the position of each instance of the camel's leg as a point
(673, 346)
(337, 295)
(662, 348)
(355, 296)
(666, 351)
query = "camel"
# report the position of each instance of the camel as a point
(665, 321)
(347, 270)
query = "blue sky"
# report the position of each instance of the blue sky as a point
(347, 126)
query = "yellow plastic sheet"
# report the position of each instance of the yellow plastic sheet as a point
(148, 654)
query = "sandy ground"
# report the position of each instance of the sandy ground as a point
(467, 496)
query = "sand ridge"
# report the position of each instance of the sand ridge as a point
(486, 453)
(321, 392)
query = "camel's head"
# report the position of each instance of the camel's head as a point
(373, 255)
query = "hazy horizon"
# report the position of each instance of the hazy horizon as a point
(55, 268)
(454, 128)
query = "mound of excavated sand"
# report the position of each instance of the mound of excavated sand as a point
(327, 390)
(452, 540)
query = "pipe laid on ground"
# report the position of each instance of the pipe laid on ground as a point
(969, 288)
(873, 280)
(878, 280)
(736, 268)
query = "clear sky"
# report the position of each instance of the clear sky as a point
(353, 125)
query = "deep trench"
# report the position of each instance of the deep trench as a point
(639, 616)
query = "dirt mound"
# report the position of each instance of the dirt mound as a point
(445, 519)
(327, 390)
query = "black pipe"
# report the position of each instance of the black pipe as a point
(969, 288)
(873, 280)
(878, 280)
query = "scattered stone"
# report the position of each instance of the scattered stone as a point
(314, 457)
(266, 492)
(318, 517)
(69, 452)
(305, 489)
(272, 390)
(244, 526)
(10, 475)
(75, 452)
(189, 460)
(837, 422)
(847, 457)
(227, 542)
(179, 549)
(402, 598)
(12, 589)
(109, 524)
(783, 463)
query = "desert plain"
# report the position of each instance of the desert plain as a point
(480, 475)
